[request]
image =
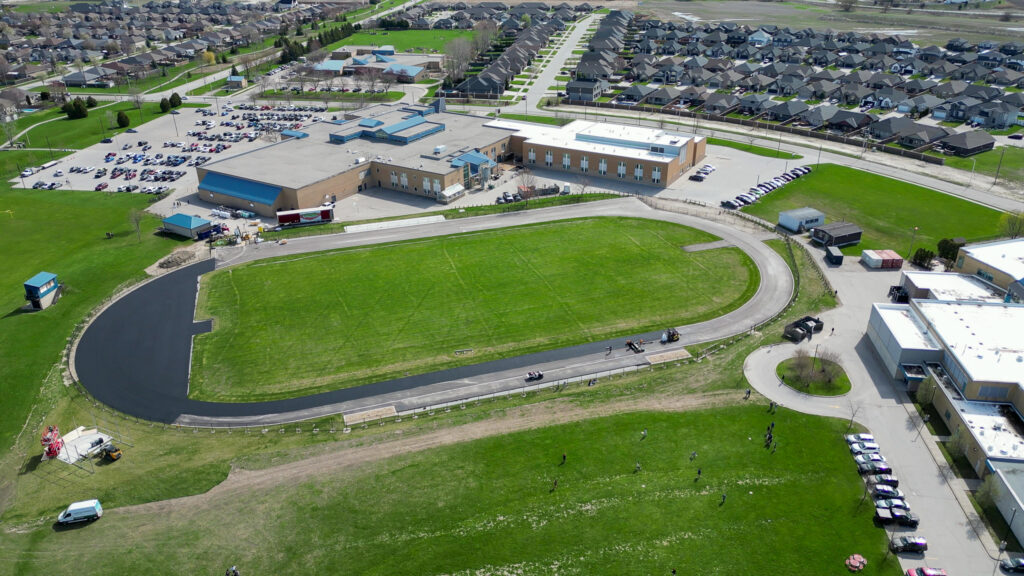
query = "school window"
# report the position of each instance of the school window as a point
(437, 185)
(364, 174)
(602, 167)
(549, 158)
(638, 172)
(656, 175)
(584, 164)
(622, 169)
(502, 146)
(405, 181)
(394, 178)
(426, 184)
(532, 156)
(566, 162)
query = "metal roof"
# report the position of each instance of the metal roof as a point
(240, 188)
(186, 221)
(40, 279)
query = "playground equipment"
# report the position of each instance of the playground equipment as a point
(52, 442)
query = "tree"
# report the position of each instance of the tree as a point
(948, 249)
(458, 54)
(175, 100)
(234, 71)
(122, 120)
(5, 67)
(830, 367)
(988, 492)
(485, 30)
(803, 365)
(847, 5)
(136, 97)
(582, 183)
(91, 102)
(959, 441)
(209, 58)
(1012, 224)
(165, 105)
(926, 391)
(76, 109)
(923, 257)
(135, 217)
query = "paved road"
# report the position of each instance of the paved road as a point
(882, 406)
(553, 67)
(135, 356)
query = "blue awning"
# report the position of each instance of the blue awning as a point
(240, 188)
(294, 134)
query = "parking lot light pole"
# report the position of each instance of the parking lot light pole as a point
(912, 238)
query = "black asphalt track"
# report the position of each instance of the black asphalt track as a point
(135, 358)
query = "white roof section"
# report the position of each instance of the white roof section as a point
(1005, 255)
(993, 431)
(566, 137)
(953, 286)
(985, 338)
(909, 332)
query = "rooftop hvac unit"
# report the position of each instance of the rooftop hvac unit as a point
(360, 160)
(439, 149)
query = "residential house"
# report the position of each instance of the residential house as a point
(994, 115)
(720, 104)
(954, 109)
(755, 103)
(968, 143)
(922, 134)
(636, 93)
(890, 127)
(782, 111)
(663, 96)
(817, 90)
(919, 105)
(818, 116)
(850, 121)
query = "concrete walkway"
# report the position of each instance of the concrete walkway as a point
(957, 538)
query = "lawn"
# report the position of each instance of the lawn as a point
(84, 132)
(390, 96)
(537, 119)
(343, 318)
(61, 232)
(815, 380)
(402, 40)
(1012, 168)
(489, 506)
(752, 149)
(886, 209)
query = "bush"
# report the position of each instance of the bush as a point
(122, 120)
(923, 257)
(948, 249)
(76, 109)
(165, 105)
(175, 100)
(44, 95)
(91, 102)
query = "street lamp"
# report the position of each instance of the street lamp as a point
(912, 238)
(1009, 527)
(974, 163)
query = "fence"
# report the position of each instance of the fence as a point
(858, 142)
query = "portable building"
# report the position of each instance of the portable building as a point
(837, 234)
(801, 219)
(834, 256)
(890, 259)
(188, 226)
(42, 290)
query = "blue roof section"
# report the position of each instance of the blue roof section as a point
(330, 65)
(370, 122)
(403, 125)
(40, 279)
(240, 188)
(186, 221)
(294, 134)
(403, 70)
(474, 159)
(236, 78)
(360, 61)
(383, 58)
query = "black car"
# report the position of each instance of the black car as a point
(697, 178)
(1017, 136)
(874, 468)
(1013, 565)
(915, 544)
(884, 479)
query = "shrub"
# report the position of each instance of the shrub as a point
(165, 105)
(122, 120)
(90, 102)
(175, 100)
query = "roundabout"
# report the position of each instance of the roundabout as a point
(137, 353)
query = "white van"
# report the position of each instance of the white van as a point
(85, 511)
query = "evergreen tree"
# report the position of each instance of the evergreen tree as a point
(122, 120)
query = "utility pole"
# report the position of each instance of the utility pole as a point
(912, 238)
(1000, 165)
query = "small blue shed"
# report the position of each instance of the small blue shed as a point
(188, 226)
(42, 290)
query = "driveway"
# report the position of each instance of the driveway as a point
(881, 405)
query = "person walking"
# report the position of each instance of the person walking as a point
(643, 434)
(723, 499)
(693, 456)
(637, 469)
(609, 351)
(699, 471)
(563, 459)
(554, 485)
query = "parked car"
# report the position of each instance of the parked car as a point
(1013, 565)
(908, 544)
(101, 186)
(883, 491)
(872, 457)
(896, 516)
(864, 448)
(926, 572)
(697, 177)
(892, 503)
(854, 438)
(884, 479)
(1017, 136)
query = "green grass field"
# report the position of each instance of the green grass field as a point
(60, 232)
(402, 40)
(817, 384)
(886, 209)
(987, 163)
(538, 119)
(84, 132)
(488, 506)
(752, 149)
(406, 308)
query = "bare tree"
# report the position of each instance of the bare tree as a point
(1012, 224)
(135, 217)
(136, 97)
(5, 69)
(527, 182)
(458, 54)
(583, 183)
(830, 367)
(847, 5)
(247, 61)
(803, 365)
(485, 30)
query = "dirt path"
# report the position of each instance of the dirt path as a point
(241, 481)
